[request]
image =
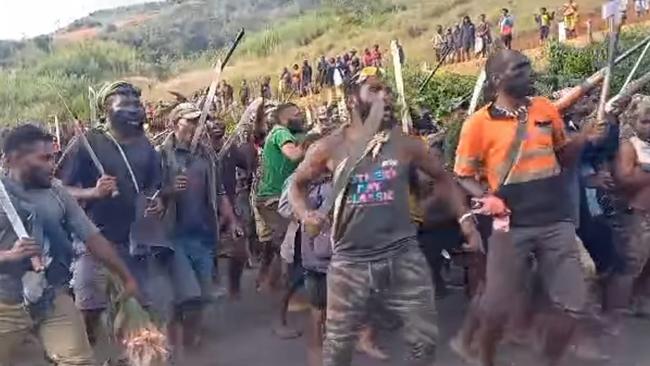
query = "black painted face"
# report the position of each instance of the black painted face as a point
(126, 113)
(516, 79)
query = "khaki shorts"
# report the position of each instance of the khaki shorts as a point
(274, 225)
(264, 232)
(62, 333)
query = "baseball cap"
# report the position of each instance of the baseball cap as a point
(187, 111)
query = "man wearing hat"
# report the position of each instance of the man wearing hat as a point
(131, 174)
(194, 202)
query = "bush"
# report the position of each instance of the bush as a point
(33, 92)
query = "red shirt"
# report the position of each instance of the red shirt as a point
(368, 59)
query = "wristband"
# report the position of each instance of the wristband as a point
(466, 216)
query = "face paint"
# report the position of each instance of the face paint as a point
(126, 114)
(517, 79)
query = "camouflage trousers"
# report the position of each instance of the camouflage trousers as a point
(401, 285)
(635, 251)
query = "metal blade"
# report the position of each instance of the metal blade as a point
(12, 214)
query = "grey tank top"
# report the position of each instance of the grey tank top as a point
(374, 222)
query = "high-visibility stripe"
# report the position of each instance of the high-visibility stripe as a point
(464, 162)
(540, 152)
(521, 177)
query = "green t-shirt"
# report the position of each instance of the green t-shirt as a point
(276, 167)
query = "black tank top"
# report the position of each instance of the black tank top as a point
(374, 222)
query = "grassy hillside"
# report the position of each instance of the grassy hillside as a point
(171, 45)
(332, 30)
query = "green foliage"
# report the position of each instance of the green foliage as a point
(569, 65)
(296, 32)
(36, 92)
(443, 93)
(182, 29)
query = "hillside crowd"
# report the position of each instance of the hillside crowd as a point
(361, 214)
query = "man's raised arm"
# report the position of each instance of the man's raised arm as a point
(311, 168)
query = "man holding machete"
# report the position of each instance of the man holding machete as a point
(375, 248)
(54, 216)
(133, 168)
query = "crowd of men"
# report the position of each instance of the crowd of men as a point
(358, 211)
(465, 41)
(330, 72)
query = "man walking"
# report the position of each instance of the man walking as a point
(132, 166)
(52, 216)
(375, 250)
(528, 157)
(633, 176)
(194, 204)
(280, 157)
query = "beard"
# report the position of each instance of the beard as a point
(388, 119)
(296, 125)
(129, 122)
(39, 178)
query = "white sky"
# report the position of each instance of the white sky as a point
(29, 18)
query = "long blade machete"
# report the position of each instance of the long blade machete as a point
(213, 90)
(16, 223)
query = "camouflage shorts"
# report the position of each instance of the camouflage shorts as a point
(402, 285)
(636, 249)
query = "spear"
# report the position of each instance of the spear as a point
(579, 91)
(212, 91)
(435, 69)
(636, 66)
(607, 82)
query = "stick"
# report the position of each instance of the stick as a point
(435, 69)
(636, 66)
(478, 90)
(212, 91)
(579, 91)
(407, 123)
(613, 41)
(92, 96)
(57, 130)
(627, 92)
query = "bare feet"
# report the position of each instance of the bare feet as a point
(463, 351)
(286, 332)
(370, 348)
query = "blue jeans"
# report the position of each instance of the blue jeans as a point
(192, 268)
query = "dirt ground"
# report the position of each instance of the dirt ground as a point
(240, 335)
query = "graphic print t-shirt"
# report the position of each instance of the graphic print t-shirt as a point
(374, 222)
